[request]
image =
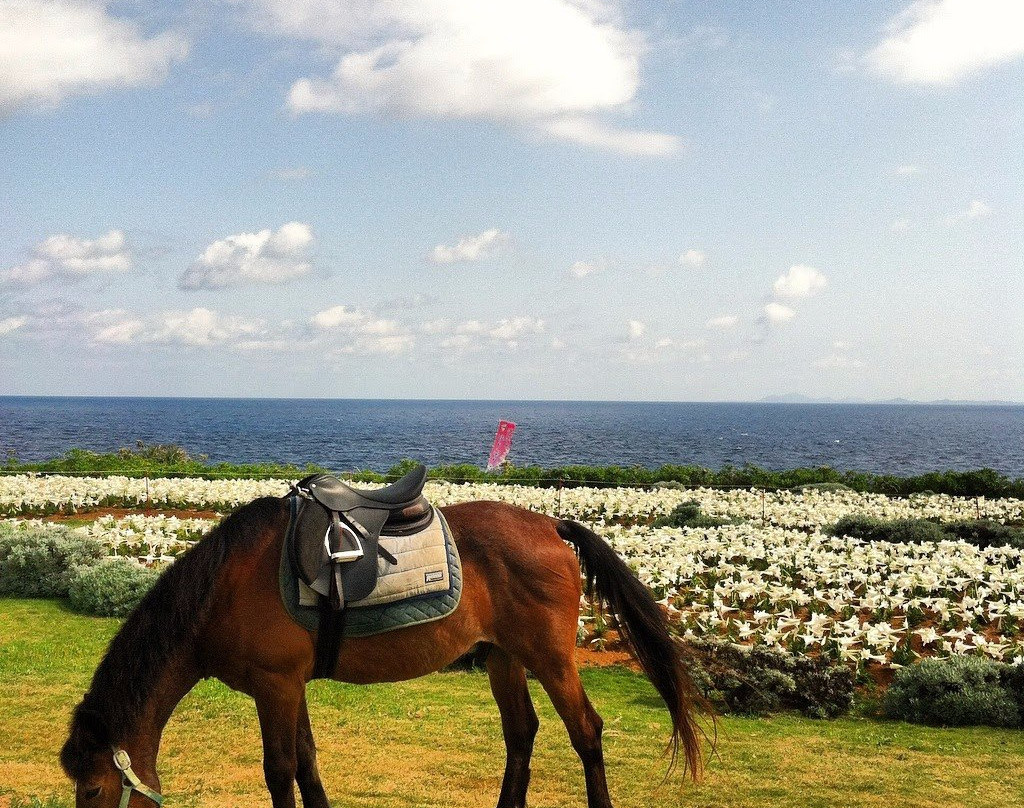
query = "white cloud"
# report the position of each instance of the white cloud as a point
(799, 282)
(941, 41)
(53, 49)
(723, 322)
(248, 258)
(475, 335)
(551, 65)
(339, 317)
(458, 342)
(204, 327)
(113, 326)
(581, 269)
(693, 258)
(838, 361)
(9, 324)
(200, 327)
(974, 211)
(439, 326)
(509, 329)
(901, 225)
(72, 258)
(390, 345)
(470, 327)
(360, 332)
(589, 132)
(470, 248)
(635, 329)
(777, 314)
(977, 210)
(292, 174)
(123, 333)
(907, 170)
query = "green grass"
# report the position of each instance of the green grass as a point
(437, 741)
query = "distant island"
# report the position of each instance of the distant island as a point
(796, 398)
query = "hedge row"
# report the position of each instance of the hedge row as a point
(761, 680)
(981, 533)
(170, 460)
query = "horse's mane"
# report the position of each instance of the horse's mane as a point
(169, 615)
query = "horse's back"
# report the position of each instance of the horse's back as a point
(508, 538)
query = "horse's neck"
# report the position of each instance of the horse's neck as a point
(142, 741)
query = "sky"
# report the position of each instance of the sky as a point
(518, 199)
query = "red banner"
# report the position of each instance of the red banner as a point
(502, 443)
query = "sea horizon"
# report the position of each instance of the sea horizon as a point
(357, 434)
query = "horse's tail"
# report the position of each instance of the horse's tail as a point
(643, 625)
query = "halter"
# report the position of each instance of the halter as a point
(130, 780)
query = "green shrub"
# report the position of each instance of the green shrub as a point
(830, 487)
(902, 531)
(110, 589)
(979, 532)
(40, 563)
(956, 692)
(759, 680)
(683, 515)
(986, 533)
(688, 514)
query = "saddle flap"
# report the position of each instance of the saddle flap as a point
(308, 548)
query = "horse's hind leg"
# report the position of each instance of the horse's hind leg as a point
(518, 724)
(563, 685)
(306, 773)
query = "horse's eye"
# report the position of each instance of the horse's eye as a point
(92, 793)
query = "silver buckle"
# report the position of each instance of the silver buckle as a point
(121, 760)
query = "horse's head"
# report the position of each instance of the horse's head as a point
(102, 773)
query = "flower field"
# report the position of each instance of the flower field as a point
(772, 576)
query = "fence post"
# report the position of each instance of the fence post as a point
(558, 507)
(764, 514)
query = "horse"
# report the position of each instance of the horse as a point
(217, 612)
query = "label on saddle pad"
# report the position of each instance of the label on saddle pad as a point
(422, 569)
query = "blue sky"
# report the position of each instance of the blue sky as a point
(530, 199)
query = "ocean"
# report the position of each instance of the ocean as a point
(346, 435)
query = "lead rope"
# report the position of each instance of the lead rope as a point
(130, 780)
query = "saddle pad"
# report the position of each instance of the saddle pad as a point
(403, 597)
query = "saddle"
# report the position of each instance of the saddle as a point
(334, 532)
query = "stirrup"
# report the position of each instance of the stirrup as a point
(342, 556)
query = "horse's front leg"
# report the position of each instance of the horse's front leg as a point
(278, 704)
(307, 774)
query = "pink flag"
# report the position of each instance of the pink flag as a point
(502, 443)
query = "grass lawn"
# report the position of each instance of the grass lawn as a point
(437, 741)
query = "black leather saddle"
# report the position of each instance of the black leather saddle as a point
(334, 526)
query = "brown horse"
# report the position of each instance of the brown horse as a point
(217, 612)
